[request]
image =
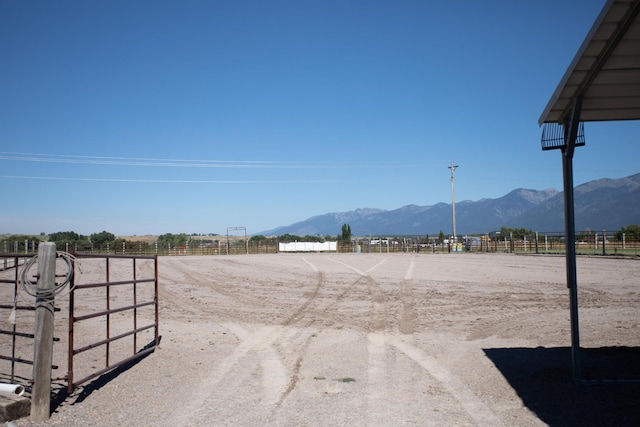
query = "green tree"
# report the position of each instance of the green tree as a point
(346, 233)
(631, 232)
(61, 238)
(518, 233)
(102, 238)
(312, 238)
(173, 239)
(440, 239)
(287, 238)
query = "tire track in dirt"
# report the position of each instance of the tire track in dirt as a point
(230, 371)
(501, 310)
(172, 298)
(378, 318)
(472, 404)
(301, 323)
(299, 312)
(277, 381)
(298, 316)
(379, 376)
(256, 350)
(190, 306)
(274, 375)
(197, 283)
(325, 311)
(407, 316)
(168, 296)
(193, 278)
(504, 318)
(195, 293)
(377, 368)
(294, 376)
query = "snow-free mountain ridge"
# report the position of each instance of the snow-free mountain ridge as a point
(604, 204)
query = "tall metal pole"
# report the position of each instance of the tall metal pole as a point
(570, 134)
(453, 199)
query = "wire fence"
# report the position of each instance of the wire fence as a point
(587, 243)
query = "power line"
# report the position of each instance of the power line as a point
(167, 181)
(190, 163)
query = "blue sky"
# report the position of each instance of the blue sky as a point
(152, 117)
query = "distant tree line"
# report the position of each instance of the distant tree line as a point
(105, 238)
(173, 239)
(631, 232)
(288, 238)
(517, 233)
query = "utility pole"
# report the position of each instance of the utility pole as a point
(453, 199)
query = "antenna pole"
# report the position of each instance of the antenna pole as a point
(453, 200)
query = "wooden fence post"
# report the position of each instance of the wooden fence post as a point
(43, 343)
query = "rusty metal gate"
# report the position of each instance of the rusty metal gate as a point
(112, 317)
(128, 299)
(16, 324)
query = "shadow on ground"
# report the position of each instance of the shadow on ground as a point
(542, 378)
(62, 397)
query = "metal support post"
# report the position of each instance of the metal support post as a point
(571, 132)
(43, 348)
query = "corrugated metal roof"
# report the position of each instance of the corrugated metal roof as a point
(605, 71)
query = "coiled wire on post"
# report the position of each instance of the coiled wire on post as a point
(30, 287)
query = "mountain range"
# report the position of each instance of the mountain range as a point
(603, 204)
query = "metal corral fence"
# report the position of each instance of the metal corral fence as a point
(122, 303)
(17, 326)
(125, 303)
(587, 243)
(241, 247)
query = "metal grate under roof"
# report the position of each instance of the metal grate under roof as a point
(553, 136)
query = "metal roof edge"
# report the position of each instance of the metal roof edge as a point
(556, 94)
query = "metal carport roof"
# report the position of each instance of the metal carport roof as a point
(601, 84)
(605, 71)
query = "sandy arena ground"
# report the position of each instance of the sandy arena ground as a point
(376, 340)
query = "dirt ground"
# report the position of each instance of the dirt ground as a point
(376, 340)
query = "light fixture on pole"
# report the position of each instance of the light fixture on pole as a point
(453, 199)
